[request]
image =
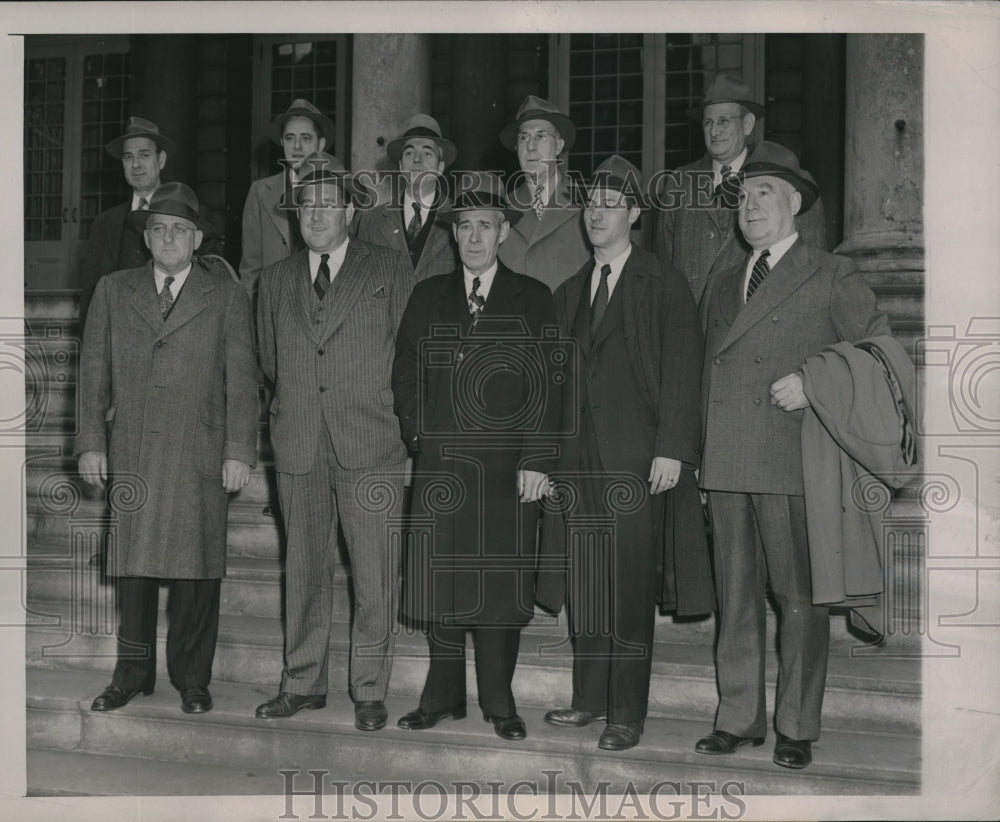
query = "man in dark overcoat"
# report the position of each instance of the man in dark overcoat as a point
(168, 412)
(763, 318)
(474, 380)
(634, 408)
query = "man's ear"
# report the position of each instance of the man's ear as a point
(321, 142)
(145, 237)
(795, 200)
(749, 121)
(162, 159)
(504, 231)
(198, 237)
(349, 213)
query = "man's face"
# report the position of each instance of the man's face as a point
(420, 154)
(142, 162)
(324, 215)
(172, 241)
(538, 146)
(299, 139)
(608, 218)
(726, 127)
(479, 234)
(768, 206)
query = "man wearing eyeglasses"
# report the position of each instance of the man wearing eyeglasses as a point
(548, 242)
(697, 230)
(168, 423)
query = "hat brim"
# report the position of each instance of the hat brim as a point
(508, 135)
(139, 217)
(323, 123)
(755, 109)
(806, 187)
(394, 150)
(117, 146)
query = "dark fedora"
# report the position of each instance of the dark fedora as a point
(137, 127)
(301, 108)
(726, 88)
(486, 193)
(324, 169)
(618, 174)
(173, 200)
(774, 160)
(535, 108)
(422, 125)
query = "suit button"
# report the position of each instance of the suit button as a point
(755, 359)
(774, 319)
(717, 360)
(316, 322)
(756, 402)
(583, 409)
(322, 388)
(321, 352)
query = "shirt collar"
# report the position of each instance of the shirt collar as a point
(485, 279)
(147, 198)
(335, 262)
(161, 277)
(735, 164)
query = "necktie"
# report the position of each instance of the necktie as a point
(166, 297)
(760, 271)
(727, 192)
(537, 203)
(413, 229)
(143, 204)
(476, 301)
(600, 300)
(322, 281)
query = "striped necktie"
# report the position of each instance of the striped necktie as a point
(760, 271)
(476, 301)
(413, 229)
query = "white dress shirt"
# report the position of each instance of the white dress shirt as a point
(617, 264)
(335, 262)
(735, 165)
(485, 280)
(179, 279)
(777, 252)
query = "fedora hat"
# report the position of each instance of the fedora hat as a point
(485, 194)
(137, 127)
(535, 108)
(322, 169)
(301, 108)
(618, 174)
(173, 200)
(422, 125)
(726, 88)
(774, 160)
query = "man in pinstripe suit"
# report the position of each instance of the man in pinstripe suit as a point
(327, 322)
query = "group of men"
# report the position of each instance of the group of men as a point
(552, 382)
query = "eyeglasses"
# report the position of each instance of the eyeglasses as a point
(525, 137)
(159, 230)
(721, 122)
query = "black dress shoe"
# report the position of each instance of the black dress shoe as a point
(792, 753)
(508, 727)
(620, 736)
(196, 700)
(286, 704)
(370, 715)
(114, 697)
(420, 719)
(570, 717)
(723, 742)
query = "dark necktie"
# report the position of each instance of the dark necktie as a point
(322, 281)
(166, 297)
(727, 192)
(413, 229)
(476, 301)
(760, 271)
(143, 204)
(600, 300)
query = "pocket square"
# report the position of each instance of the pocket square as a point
(379, 292)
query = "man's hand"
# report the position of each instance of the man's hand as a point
(94, 467)
(235, 474)
(788, 395)
(531, 486)
(663, 474)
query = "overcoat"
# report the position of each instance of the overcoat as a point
(492, 411)
(809, 300)
(383, 225)
(168, 401)
(664, 345)
(698, 236)
(267, 232)
(551, 249)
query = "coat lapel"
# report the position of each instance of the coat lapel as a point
(630, 287)
(274, 189)
(299, 283)
(391, 227)
(190, 302)
(453, 304)
(560, 210)
(144, 298)
(348, 286)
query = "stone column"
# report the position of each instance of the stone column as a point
(391, 80)
(884, 172)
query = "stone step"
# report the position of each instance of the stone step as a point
(866, 692)
(154, 728)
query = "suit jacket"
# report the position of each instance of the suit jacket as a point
(479, 565)
(168, 401)
(699, 237)
(551, 249)
(333, 374)
(266, 229)
(383, 225)
(809, 300)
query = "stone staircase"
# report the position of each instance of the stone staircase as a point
(870, 743)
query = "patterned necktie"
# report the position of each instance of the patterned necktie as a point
(143, 204)
(600, 300)
(476, 301)
(322, 281)
(537, 203)
(413, 229)
(166, 297)
(760, 271)
(727, 192)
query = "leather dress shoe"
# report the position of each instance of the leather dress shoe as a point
(286, 704)
(196, 700)
(507, 727)
(792, 753)
(420, 719)
(620, 736)
(723, 742)
(370, 715)
(114, 697)
(570, 717)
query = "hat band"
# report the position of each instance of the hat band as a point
(174, 208)
(421, 131)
